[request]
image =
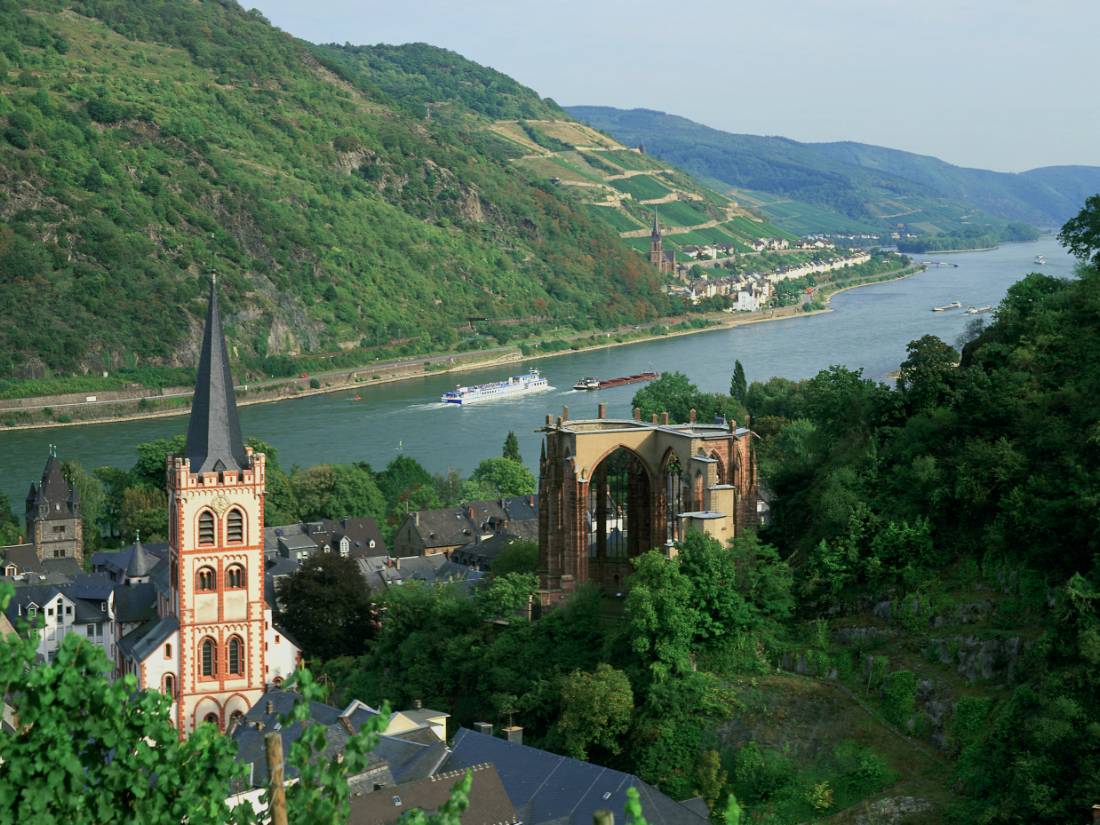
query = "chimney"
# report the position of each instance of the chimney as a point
(637, 414)
(484, 727)
(1096, 813)
(733, 424)
(653, 419)
(664, 418)
(397, 563)
(345, 723)
(531, 500)
(418, 704)
(691, 415)
(416, 518)
(601, 411)
(514, 734)
(270, 707)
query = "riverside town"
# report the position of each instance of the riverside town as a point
(387, 438)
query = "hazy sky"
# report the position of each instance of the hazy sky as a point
(1001, 84)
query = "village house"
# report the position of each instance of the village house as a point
(346, 537)
(427, 532)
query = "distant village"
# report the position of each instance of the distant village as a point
(707, 276)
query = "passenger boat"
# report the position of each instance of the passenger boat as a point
(516, 385)
(952, 305)
(979, 310)
(1040, 259)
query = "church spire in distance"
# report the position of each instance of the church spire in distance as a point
(214, 440)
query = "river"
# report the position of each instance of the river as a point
(868, 329)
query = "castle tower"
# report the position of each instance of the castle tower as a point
(53, 515)
(656, 245)
(215, 539)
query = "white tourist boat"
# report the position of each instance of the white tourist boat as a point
(516, 385)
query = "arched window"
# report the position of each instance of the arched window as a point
(234, 576)
(234, 527)
(206, 579)
(209, 658)
(206, 528)
(168, 651)
(212, 718)
(236, 656)
(170, 685)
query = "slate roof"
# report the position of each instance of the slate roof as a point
(381, 573)
(398, 759)
(143, 640)
(214, 432)
(141, 561)
(548, 789)
(360, 532)
(62, 500)
(489, 802)
(482, 554)
(118, 562)
(135, 603)
(85, 592)
(23, 556)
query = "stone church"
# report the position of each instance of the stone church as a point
(664, 261)
(611, 489)
(212, 645)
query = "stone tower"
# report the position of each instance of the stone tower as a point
(215, 538)
(53, 515)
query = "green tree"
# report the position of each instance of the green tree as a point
(326, 607)
(1081, 233)
(710, 778)
(144, 510)
(150, 468)
(739, 387)
(93, 499)
(511, 448)
(10, 529)
(672, 393)
(507, 595)
(520, 556)
(505, 476)
(596, 709)
(661, 618)
(927, 375)
(334, 491)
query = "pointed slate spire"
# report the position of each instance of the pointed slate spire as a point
(656, 233)
(141, 560)
(214, 440)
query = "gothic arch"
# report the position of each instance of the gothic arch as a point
(721, 467)
(620, 514)
(234, 705)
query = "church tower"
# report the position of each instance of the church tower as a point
(215, 541)
(656, 246)
(53, 515)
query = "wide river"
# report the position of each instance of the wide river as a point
(868, 329)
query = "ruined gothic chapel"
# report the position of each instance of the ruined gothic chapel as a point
(611, 489)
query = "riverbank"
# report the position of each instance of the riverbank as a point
(364, 378)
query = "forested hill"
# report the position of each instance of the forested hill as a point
(867, 183)
(346, 205)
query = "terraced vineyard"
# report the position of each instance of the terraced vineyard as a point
(623, 187)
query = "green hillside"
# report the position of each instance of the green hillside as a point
(146, 144)
(855, 184)
(624, 187)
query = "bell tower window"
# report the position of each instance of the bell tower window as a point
(205, 579)
(206, 528)
(235, 527)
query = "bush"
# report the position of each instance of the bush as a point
(314, 383)
(17, 138)
(899, 696)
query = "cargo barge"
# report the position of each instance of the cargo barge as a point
(607, 383)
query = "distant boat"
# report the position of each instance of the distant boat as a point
(1040, 259)
(597, 384)
(979, 310)
(952, 305)
(516, 385)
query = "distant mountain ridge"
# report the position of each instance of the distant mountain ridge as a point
(864, 182)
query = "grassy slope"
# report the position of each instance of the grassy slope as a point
(147, 143)
(867, 183)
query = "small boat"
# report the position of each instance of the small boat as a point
(587, 384)
(1040, 259)
(979, 310)
(945, 307)
(357, 397)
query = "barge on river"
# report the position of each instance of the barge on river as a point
(607, 383)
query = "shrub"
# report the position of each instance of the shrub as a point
(315, 383)
(899, 696)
